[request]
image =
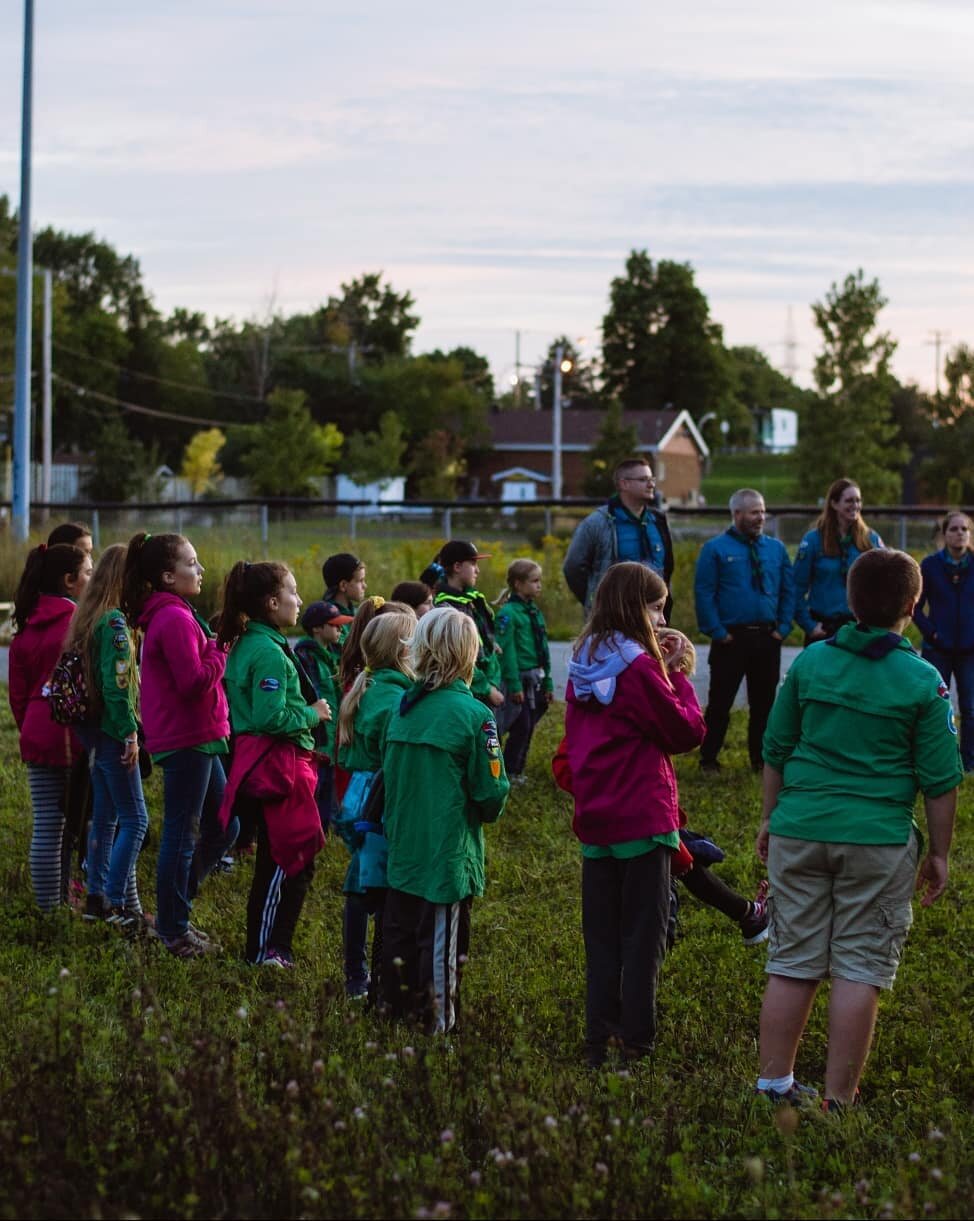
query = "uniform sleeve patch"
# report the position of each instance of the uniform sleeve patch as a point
(943, 690)
(120, 640)
(502, 622)
(270, 684)
(802, 551)
(492, 746)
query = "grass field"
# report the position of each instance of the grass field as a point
(135, 1085)
(773, 475)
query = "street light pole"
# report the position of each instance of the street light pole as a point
(556, 426)
(46, 414)
(25, 277)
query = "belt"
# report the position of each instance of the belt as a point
(750, 627)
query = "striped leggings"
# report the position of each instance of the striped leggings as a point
(50, 848)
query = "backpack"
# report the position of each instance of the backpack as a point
(67, 690)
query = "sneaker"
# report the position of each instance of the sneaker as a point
(832, 1106)
(357, 991)
(96, 908)
(184, 946)
(204, 939)
(122, 918)
(226, 863)
(754, 926)
(796, 1096)
(278, 958)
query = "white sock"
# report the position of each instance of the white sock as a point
(780, 1085)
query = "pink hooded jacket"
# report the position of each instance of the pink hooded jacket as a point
(623, 722)
(182, 696)
(33, 655)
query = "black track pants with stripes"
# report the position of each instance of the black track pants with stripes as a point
(275, 901)
(424, 948)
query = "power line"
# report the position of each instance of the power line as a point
(84, 392)
(161, 381)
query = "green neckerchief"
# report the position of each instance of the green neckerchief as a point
(757, 569)
(845, 546)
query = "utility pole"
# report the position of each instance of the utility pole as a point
(791, 347)
(556, 425)
(517, 368)
(47, 411)
(936, 343)
(25, 276)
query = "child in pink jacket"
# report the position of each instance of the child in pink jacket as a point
(187, 728)
(49, 588)
(629, 709)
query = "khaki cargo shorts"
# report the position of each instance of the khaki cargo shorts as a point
(839, 910)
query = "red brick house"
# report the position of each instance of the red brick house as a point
(522, 439)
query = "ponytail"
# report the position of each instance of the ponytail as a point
(148, 557)
(382, 644)
(245, 594)
(517, 570)
(44, 573)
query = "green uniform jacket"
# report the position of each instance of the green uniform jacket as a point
(522, 635)
(380, 703)
(473, 603)
(113, 672)
(858, 727)
(444, 777)
(263, 688)
(321, 666)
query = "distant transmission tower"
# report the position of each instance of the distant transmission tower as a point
(790, 345)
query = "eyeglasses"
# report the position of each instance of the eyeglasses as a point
(639, 479)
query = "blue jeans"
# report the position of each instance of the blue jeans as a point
(192, 839)
(962, 669)
(355, 931)
(117, 800)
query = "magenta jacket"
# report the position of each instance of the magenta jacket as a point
(33, 655)
(619, 740)
(182, 696)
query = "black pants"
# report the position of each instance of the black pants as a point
(708, 888)
(275, 901)
(424, 947)
(753, 655)
(625, 908)
(522, 729)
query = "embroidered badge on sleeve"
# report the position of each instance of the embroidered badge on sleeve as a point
(270, 684)
(493, 747)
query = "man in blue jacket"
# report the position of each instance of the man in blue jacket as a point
(745, 596)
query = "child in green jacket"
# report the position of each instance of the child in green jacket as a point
(370, 704)
(100, 634)
(444, 778)
(525, 663)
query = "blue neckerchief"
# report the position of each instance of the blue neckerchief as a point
(638, 539)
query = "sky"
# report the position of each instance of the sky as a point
(500, 161)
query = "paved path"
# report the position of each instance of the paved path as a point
(559, 669)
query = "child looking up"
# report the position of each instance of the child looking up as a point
(184, 713)
(368, 707)
(629, 709)
(50, 585)
(525, 663)
(101, 636)
(275, 713)
(456, 571)
(444, 778)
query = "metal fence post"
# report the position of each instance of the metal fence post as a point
(351, 524)
(265, 530)
(179, 519)
(547, 520)
(447, 523)
(96, 529)
(902, 532)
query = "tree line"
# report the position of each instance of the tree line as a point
(135, 389)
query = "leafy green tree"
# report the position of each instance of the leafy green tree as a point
(428, 394)
(951, 442)
(659, 345)
(200, 468)
(849, 428)
(578, 383)
(288, 450)
(476, 369)
(756, 387)
(616, 441)
(370, 457)
(370, 320)
(123, 468)
(438, 464)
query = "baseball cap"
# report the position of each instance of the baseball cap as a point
(457, 551)
(317, 614)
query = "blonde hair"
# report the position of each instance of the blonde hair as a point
(102, 594)
(517, 571)
(688, 662)
(382, 645)
(445, 647)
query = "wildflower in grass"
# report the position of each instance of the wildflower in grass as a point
(64, 973)
(318, 1067)
(279, 1005)
(408, 1053)
(442, 1209)
(602, 1169)
(936, 1173)
(359, 1113)
(914, 1157)
(340, 1125)
(388, 1083)
(371, 1045)
(475, 1177)
(446, 1136)
(754, 1168)
(935, 1134)
(550, 1121)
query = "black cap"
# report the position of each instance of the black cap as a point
(457, 551)
(317, 614)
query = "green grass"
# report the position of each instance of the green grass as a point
(773, 475)
(134, 1085)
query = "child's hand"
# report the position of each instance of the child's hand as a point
(496, 697)
(517, 697)
(323, 710)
